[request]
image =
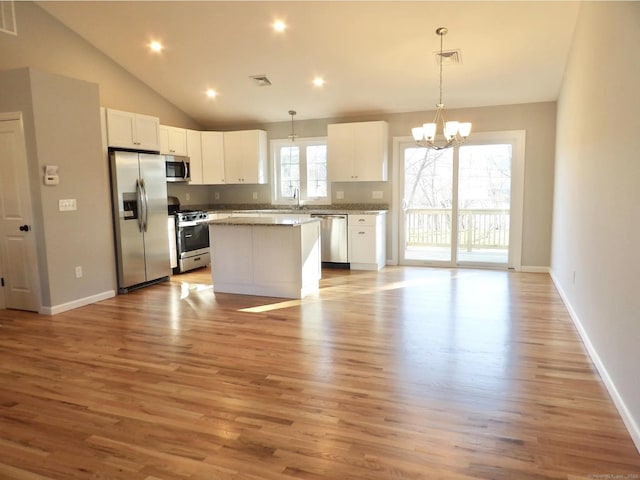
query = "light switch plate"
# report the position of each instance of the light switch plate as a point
(67, 205)
(340, 195)
(255, 195)
(376, 194)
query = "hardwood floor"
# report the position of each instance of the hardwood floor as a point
(407, 373)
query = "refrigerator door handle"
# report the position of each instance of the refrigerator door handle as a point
(139, 205)
(145, 197)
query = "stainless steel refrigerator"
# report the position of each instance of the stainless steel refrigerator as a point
(139, 193)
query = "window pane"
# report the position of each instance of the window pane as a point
(289, 170)
(316, 170)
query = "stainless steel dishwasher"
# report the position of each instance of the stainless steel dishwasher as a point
(333, 234)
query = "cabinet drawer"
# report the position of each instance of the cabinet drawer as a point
(355, 220)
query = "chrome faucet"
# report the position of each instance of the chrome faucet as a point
(296, 195)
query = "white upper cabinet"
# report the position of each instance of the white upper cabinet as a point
(358, 152)
(213, 172)
(245, 156)
(132, 130)
(173, 140)
(194, 152)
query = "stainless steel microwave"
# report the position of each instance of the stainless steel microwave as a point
(178, 168)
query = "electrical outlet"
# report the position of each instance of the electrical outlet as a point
(255, 195)
(188, 196)
(340, 195)
(376, 195)
(216, 196)
(78, 272)
(67, 205)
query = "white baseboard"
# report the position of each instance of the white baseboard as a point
(627, 418)
(81, 302)
(531, 269)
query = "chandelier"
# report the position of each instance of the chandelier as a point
(455, 133)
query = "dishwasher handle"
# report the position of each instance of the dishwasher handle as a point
(329, 215)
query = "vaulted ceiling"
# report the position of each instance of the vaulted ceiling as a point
(375, 57)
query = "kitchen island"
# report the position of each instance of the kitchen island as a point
(274, 257)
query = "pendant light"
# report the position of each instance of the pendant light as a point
(292, 136)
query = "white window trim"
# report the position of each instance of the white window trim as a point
(518, 139)
(274, 145)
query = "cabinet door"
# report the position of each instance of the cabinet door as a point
(245, 156)
(177, 141)
(213, 164)
(120, 129)
(163, 137)
(147, 132)
(371, 141)
(173, 140)
(362, 244)
(194, 152)
(341, 152)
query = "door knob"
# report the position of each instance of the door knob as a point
(24, 228)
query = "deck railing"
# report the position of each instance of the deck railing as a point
(477, 229)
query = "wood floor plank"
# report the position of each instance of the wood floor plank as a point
(407, 373)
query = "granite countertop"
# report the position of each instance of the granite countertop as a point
(347, 208)
(262, 221)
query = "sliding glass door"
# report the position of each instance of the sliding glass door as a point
(428, 204)
(458, 204)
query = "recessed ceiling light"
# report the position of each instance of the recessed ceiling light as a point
(279, 26)
(211, 93)
(318, 81)
(156, 46)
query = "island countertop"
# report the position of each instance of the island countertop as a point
(262, 221)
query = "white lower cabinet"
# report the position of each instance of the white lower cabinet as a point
(366, 240)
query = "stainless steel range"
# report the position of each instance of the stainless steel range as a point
(192, 239)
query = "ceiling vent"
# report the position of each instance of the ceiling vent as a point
(261, 80)
(8, 17)
(449, 57)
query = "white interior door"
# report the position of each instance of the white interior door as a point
(18, 257)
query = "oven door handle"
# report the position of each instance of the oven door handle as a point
(194, 223)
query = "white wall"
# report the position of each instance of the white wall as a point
(596, 225)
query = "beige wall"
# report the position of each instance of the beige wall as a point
(596, 226)
(46, 44)
(62, 127)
